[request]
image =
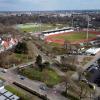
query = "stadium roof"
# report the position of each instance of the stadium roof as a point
(65, 28)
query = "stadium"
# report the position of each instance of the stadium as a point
(74, 37)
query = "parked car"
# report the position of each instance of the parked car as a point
(21, 77)
(43, 87)
(92, 69)
(92, 86)
(85, 81)
(4, 70)
(88, 68)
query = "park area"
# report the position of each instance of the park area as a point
(48, 75)
(73, 37)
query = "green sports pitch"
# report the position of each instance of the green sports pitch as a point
(74, 36)
(35, 27)
(71, 37)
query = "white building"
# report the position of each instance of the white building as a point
(5, 94)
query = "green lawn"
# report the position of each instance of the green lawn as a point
(48, 76)
(21, 57)
(35, 28)
(17, 92)
(54, 44)
(75, 36)
(32, 27)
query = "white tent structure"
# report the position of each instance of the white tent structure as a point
(93, 50)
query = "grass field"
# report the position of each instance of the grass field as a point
(32, 27)
(48, 76)
(24, 95)
(72, 37)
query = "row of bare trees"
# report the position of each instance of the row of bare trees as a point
(82, 90)
(7, 29)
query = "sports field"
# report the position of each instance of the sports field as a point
(34, 27)
(73, 37)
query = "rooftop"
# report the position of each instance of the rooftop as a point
(6, 95)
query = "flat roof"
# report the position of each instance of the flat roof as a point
(93, 50)
(6, 95)
(2, 97)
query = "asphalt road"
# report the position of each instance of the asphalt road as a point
(11, 77)
(96, 57)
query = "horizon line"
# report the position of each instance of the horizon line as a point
(47, 10)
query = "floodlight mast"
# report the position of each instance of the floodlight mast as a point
(87, 35)
(72, 20)
(40, 25)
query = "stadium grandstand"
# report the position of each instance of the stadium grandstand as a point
(57, 31)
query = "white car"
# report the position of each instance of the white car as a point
(4, 70)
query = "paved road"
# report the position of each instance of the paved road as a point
(96, 57)
(11, 77)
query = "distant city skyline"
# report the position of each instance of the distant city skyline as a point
(42, 5)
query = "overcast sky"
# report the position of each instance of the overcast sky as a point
(14, 5)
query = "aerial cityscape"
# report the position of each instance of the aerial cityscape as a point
(49, 50)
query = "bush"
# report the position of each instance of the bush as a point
(46, 64)
(68, 67)
(21, 48)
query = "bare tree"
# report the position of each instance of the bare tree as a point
(67, 81)
(80, 73)
(86, 92)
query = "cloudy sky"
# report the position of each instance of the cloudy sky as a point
(35, 5)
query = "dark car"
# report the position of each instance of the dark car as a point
(43, 87)
(21, 77)
(88, 68)
(92, 70)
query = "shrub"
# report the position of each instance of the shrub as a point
(21, 48)
(46, 64)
